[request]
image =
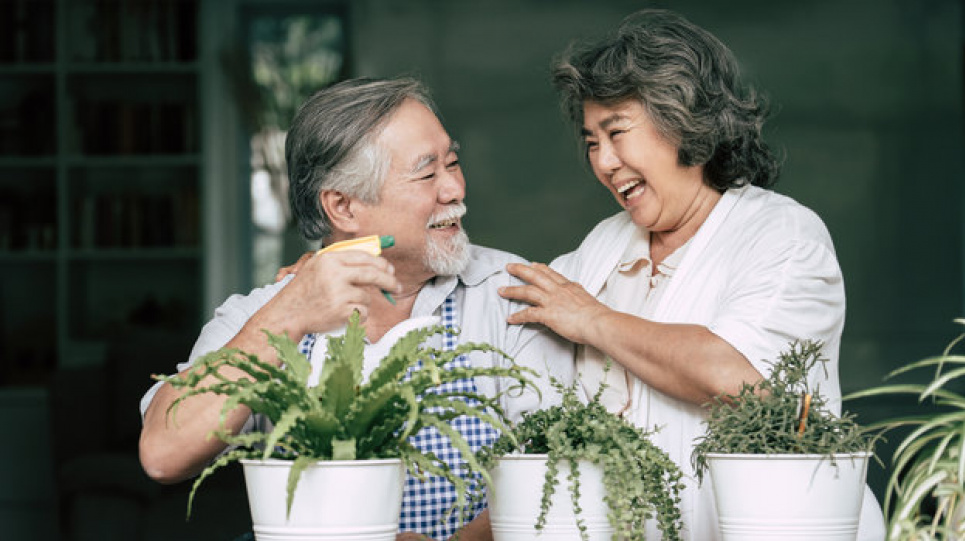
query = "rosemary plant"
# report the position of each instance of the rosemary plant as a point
(925, 496)
(780, 414)
(342, 417)
(640, 479)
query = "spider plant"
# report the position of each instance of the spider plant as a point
(343, 417)
(925, 494)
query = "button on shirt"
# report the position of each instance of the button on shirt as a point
(633, 288)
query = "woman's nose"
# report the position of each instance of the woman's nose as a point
(607, 158)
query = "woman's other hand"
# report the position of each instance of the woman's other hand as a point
(294, 267)
(562, 305)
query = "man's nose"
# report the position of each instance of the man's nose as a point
(453, 187)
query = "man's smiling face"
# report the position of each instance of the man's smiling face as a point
(421, 201)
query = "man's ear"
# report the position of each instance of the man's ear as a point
(339, 209)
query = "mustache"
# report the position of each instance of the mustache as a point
(451, 212)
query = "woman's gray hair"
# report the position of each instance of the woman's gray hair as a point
(332, 145)
(690, 85)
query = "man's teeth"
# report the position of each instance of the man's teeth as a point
(444, 224)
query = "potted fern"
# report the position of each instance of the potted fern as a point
(341, 445)
(925, 495)
(781, 462)
(615, 479)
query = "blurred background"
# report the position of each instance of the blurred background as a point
(142, 182)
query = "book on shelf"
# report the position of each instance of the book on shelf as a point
(27, 221)
(27, 31)
(137, 220)
(133, 30)
(113, 127)
(27, 120)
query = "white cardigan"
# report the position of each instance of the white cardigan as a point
(760, 273)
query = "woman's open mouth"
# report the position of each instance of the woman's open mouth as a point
(631, 190)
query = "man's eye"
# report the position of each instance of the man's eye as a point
(430, 176)
(453, 164)
(614, 133)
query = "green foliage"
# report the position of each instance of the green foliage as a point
(291, 57)
(641, 480)
(765, 418)
(925, 497)
(342, 418)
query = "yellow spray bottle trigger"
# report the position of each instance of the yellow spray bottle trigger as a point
(373, 244)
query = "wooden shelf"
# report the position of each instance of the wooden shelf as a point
(100, 176)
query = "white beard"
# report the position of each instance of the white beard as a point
(447, 257)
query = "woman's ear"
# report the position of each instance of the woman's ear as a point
(339, 209)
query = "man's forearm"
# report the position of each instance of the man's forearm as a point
(478, 529)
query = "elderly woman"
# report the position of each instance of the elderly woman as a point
(705, 275)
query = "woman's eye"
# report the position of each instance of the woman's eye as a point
(614, 133)
(590, 145)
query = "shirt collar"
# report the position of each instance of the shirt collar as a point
(479, 268)
(637, 253)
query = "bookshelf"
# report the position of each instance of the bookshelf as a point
(100, 178)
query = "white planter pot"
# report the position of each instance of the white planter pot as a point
(780, 497)
(516, 492)
(357, 500)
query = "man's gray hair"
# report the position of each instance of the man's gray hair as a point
(332, 145)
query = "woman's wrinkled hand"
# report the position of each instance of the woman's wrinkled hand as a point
(294, 267)
(556, 302)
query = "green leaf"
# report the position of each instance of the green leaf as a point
(343, 449)
(339, 391)
(282, 427)
(247, 440)
(402, 355)
(345, 352)
(342, 371)
(383, 436)
(323, 424)
(298, 466)
(365, 411)
(414, 420)
(287, 350)
(220, 462)
(390, 372)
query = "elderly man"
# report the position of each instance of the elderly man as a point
(365, 157)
